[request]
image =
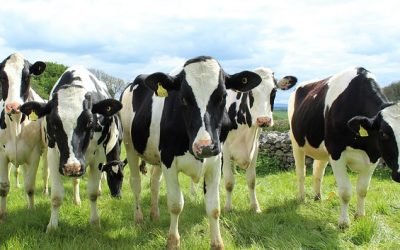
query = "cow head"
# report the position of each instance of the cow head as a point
(115, 176)
(262, 97)
(15, 74)
(386, 126)
(72, 117)
(201, 90)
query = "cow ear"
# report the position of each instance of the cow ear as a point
(161, 83)
(361, 125)
(37, 68)
(243, 81)
(107, 107)
(35, 110)
(286, 82)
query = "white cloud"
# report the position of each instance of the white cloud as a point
(310, 39)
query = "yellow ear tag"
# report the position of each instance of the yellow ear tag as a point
(161, 91)
(33, 116)
(363, 132)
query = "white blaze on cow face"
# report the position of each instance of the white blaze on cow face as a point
(70, 106)
(391, 115)
(14, 69)
(203, 78)
(261, 109)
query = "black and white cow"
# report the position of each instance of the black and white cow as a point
(20, 139)
(347, 121)
(82, 130)
(249, 112)
(181, 132)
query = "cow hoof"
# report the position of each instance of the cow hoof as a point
(344, 224)
(139, 218)
(155, 216)
(173, 242)
(3, 216)
(46, 193)
(78, 202)
(301, 198)
(217, 246)
(317, 197)
(95, 223)
(256, 208)
(51, 228)
(359, 216)
(227, 209)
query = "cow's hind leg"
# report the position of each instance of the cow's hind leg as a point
(30, 171)
(364, 178)
(229, 180)
(76, 192)
(16, 173)
(4, 186)
(318, 175)
(93, 192)
(299, 158)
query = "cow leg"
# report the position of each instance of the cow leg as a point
(4, 186)
(364, 178)
(16, 172)
(175, 205)
(212, 178)
(93, 192)
(251, 183)
(299, 159)
(229, 179)
(135, 180)
(57, 188)
(29, 182)
(155, 182)
(45, 176)
(77, 196)
(344, 188)
(318, 175)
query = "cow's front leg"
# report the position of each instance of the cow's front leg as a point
(212, 178)
(156, 174)
(344, 188)
(4, 186)
(175, 205)
(251, 183)
(93, 192)
(364, 178)
(135, 181)
(76, 193)
(57, 188)
(299, 160)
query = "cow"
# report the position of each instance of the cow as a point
(249, 113)
(175, 121)
(20, 138)
(82, 131)
(347, 121)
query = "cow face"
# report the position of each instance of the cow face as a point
(202, 88)
(15, 73)
(386, 126)
(262, 97)
(72, 118)
(115, 176)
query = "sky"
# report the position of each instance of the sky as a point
(310, 39)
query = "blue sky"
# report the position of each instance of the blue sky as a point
(310, 39)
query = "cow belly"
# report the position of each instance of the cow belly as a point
(190, 166)
(356, 159)
(241, 145)
(319, 153)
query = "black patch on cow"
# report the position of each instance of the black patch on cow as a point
(232, 115)
(66, 79)
(197, 59)
(272, 98)
(25, 81)
(2, 120)
(4, 79)
(141, 104)
(387, 144)
(241, 115)
(350, 103)
(308, 116)
(238, 95)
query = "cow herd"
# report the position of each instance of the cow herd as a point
(199, 121)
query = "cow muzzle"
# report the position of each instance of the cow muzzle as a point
(204, 149)
(72, 169)
(264, 121)
(13, 108)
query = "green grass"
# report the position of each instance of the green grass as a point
(283, 224)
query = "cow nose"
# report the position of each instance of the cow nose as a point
(264, 121)
(72, 169)
(13, 108)
(203, 148)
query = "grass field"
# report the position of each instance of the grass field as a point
(283, 224)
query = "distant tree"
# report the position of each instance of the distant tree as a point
(392, 91)
(114, 84)
(43, 83)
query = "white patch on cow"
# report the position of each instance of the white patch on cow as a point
(113, 131)
(114, 168)
(391, 115)
(13, 69)
(338, 84)
(70, 106)
(203, 77)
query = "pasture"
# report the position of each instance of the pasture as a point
(283, 224)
